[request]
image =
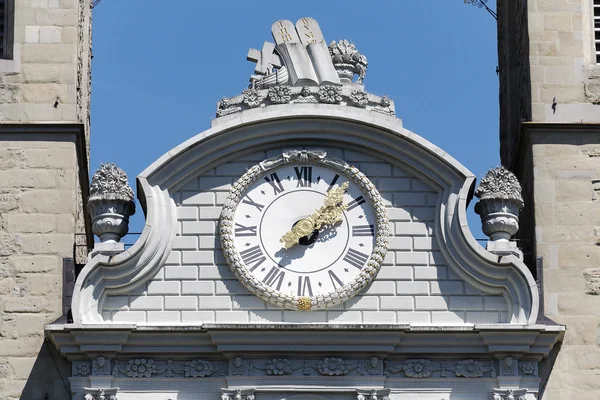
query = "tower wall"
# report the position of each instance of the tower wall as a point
(44, 148)
(555, 154)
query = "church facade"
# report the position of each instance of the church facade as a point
(306, 246)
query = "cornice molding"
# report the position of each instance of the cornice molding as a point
(395, 341)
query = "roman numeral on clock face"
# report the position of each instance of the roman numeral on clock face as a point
(304, 175)
(335, 281)
(304, 287)
(253, 255)
(355, 203)
(275, 276)
(248, 200)
(275, 183)
(356, 258)
(241, 230)
(363, 230)
(333, 182)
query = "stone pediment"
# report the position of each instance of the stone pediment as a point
(466, 284)
(189, 302)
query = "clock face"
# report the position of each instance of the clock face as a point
(321, 259)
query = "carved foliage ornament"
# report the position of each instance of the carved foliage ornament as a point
(237, 394)
(252, 97)
(510, 394)
(348, 61)
(333, 366)
(101, 394)
(499, 183)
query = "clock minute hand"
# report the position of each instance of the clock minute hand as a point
(327, 215)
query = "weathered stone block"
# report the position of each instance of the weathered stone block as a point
(30, 223)
(46, 73)
(29, 304)
(57, 243)
(574, 190)
(564, 93)
(49, 53)
(21, 366)
(32, 34)
(45, 285)
(35, 264)
(50, 34)
(573, 214)
(48, 201)
(578, 304)
(562, 280)
(44, 93)
(22, 347)
(57, 17)
(581, 330)
(558, 22)
(580, 257)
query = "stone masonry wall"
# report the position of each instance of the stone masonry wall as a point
(566, 166)
(49, 76)
(414, 285)
(44, 70)
(563, 61)
(38, 181)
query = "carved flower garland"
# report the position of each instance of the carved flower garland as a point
(419, 368)
(280, 94)
(198, 368)
(333, 366)
(140, 368)
(330, 94)
(469, 369)
(279, 366)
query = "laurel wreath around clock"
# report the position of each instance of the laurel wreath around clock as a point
(321, 301)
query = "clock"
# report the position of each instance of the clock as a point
(304, 230)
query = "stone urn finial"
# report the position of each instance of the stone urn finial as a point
(110, 203)
(500, 202)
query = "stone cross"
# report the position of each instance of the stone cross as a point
(265, 59)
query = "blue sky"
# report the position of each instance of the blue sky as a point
(159, 69)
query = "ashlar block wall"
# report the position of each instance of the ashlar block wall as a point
(38, 208)
(415, 285)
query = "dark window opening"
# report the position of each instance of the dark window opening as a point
(7, 14)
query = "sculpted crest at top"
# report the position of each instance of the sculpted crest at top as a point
(300, 68)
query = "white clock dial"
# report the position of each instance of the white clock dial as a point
(322, 261)
(325, 264)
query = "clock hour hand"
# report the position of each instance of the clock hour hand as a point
(329, 214)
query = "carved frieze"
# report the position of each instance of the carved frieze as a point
(413, 368)
(255, 96)
(101, 366)
(529, 368)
